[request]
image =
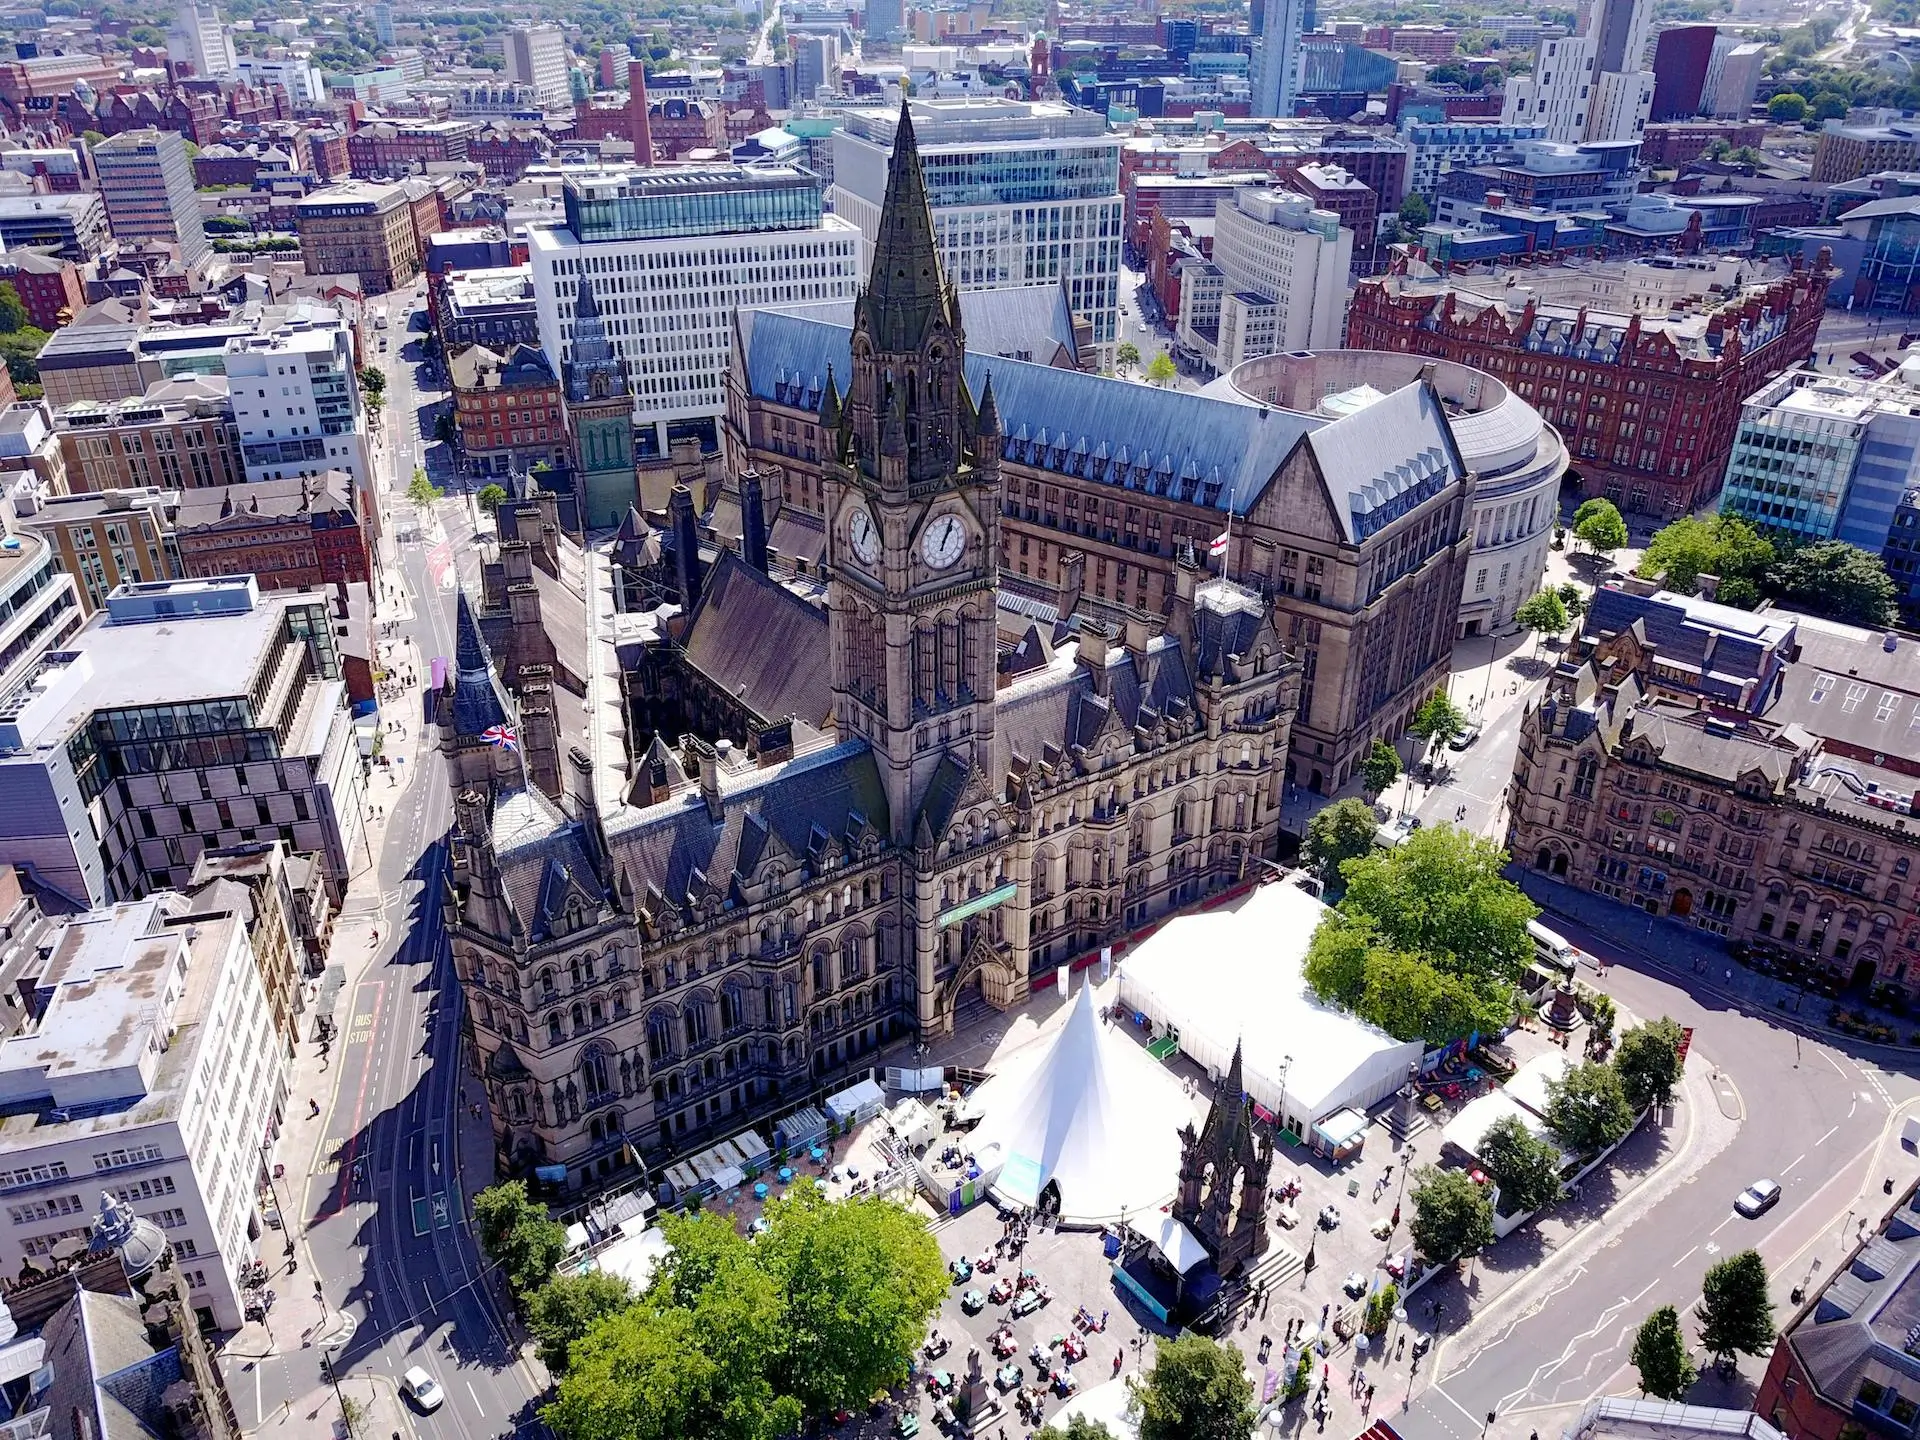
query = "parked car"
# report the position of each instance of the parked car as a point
(1758, 1198)
(421, 1388)
(1465, 738)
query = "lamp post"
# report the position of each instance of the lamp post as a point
(333, 1374)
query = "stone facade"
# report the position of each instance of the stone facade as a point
(693, 937)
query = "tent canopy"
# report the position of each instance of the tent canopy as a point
(856, 1101)
(1237, 975)
(1180, 1247)
(1467, 1129)
(1086, 1112)
(1529, 1083)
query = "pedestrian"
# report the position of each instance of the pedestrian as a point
(1729, 975)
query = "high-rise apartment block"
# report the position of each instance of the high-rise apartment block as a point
(296, 399)
(146, 181)
(147, 1065)
(537, 56)
(199, 39)
(1276, 59)
(1682, 57)
(1591, 85)
(1022, 194)
(816, 65)
(1277, 280)
(1734, 73)
(670, 254)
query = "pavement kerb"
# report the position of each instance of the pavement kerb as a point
(1526, 1292)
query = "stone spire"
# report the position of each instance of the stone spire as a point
(906, 290)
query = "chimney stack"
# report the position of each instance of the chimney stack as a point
(686, 546)
(637, 112)
(753, 521)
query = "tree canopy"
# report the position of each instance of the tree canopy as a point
(1722, 545)
(518, 1236)
(1525, 1167)
(1196, 1390)
(422, 491)
(1587, 1108)
(1078, 1427)
(1787, 108)
(1437, 720)
(568, 1306)
(491, 498)
(1337, 834)
(1452, 1216)
(1736, 1313)
(1837, 580)
(1381, 767)
(1126, 355)
(1544, 614)
(748, 1340)
(1598, 523)
(1428, 939)
(13, 310)
(1160, 370)
(1660, 1355)
(1648, 1062)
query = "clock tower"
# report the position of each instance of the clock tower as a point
(912, 494)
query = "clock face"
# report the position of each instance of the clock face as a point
(946, 540)
(865, 536)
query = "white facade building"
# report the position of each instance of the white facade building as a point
(537, 56)
(296, 399)
(670, 254)
(1022, 194)
(1593, 85)
(1278, 279)
(300, 78)
(1276, 58)
(166, 1088)
(1435, 147)
(200, 40)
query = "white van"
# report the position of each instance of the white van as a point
(1553, 948)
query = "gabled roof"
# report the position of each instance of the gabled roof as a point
(478, 703)
(761, 643)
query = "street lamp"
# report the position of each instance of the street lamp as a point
(332, 1373)
(1491, 1417)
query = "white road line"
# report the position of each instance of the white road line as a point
(1440, 1391)
(1833, 1062)
(1636, 1299)
(1796, 1160)
(476, 1399)
(1723, 1225)
(1826, 1137)
(1676, 1264)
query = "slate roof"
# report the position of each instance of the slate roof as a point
(1847, 685)
(759, 641)
(543, 860)
(105, 1373)
(1387, 458)
(1728, 649)
(1861, 1322)
(477, 700)
(676, 849)
(797, 535)
(1014, 322)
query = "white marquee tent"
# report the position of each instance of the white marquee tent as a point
(1235, 975)
(1087, 1112)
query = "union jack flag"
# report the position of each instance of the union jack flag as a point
(502, 736)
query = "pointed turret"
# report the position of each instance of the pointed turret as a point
(988, 423)
(830, 404)
(906, 290)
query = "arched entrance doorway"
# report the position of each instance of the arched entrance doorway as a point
(1682, 903)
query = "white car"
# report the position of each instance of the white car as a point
(421, 1388)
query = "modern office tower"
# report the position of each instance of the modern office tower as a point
(1733, 76)
(200, 40)
(1592, 85)
(298, 76)
(670, 254)
(146, 180)
(886, 19)
(537, 56)
(296, 399)
(147, 1066)
(383, 23)
(189, 715)
(1022, 194)
(816, 65)
(1277, 280)
(1826, 457)
(1682, 57)
(1276, 60)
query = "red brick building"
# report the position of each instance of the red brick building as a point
(1377, 160)
(507, 409)
(1172, 240)
(401, 148)
(1676, 142)
(1648, 407)
(505, 152)
(328, 148)
(293, 534)
(49, 287)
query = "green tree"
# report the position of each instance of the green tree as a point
(1688, 548)
(1160, 370)
(1587, 1108)
(1648, 1062)
(1452, 1217)
(1337, 834)
(1736, 1313)
(93, 138)
(1602, 528)
(1437, 721)
(1381, 767)
(1571, 597)
(491, 498)
(518, 1236)
(1837, 580)
(373, 380)
(13, 311)
(422, 491)
(1544, 614)
(859, 1278)
(1196, 1390)
(1829, 105)
(1787, 108)
(1415, 212)
(567, 1306)
(1524, 1166)
(1126, 355)
(1660, 1355)
(21, 351)
(1078, 1427)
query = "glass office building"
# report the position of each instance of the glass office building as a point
(667, 204)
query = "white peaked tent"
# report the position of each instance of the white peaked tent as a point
(1087, 1113)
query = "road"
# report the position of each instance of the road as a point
(386, 1222)
(1844, 37)
(1808, 1114)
